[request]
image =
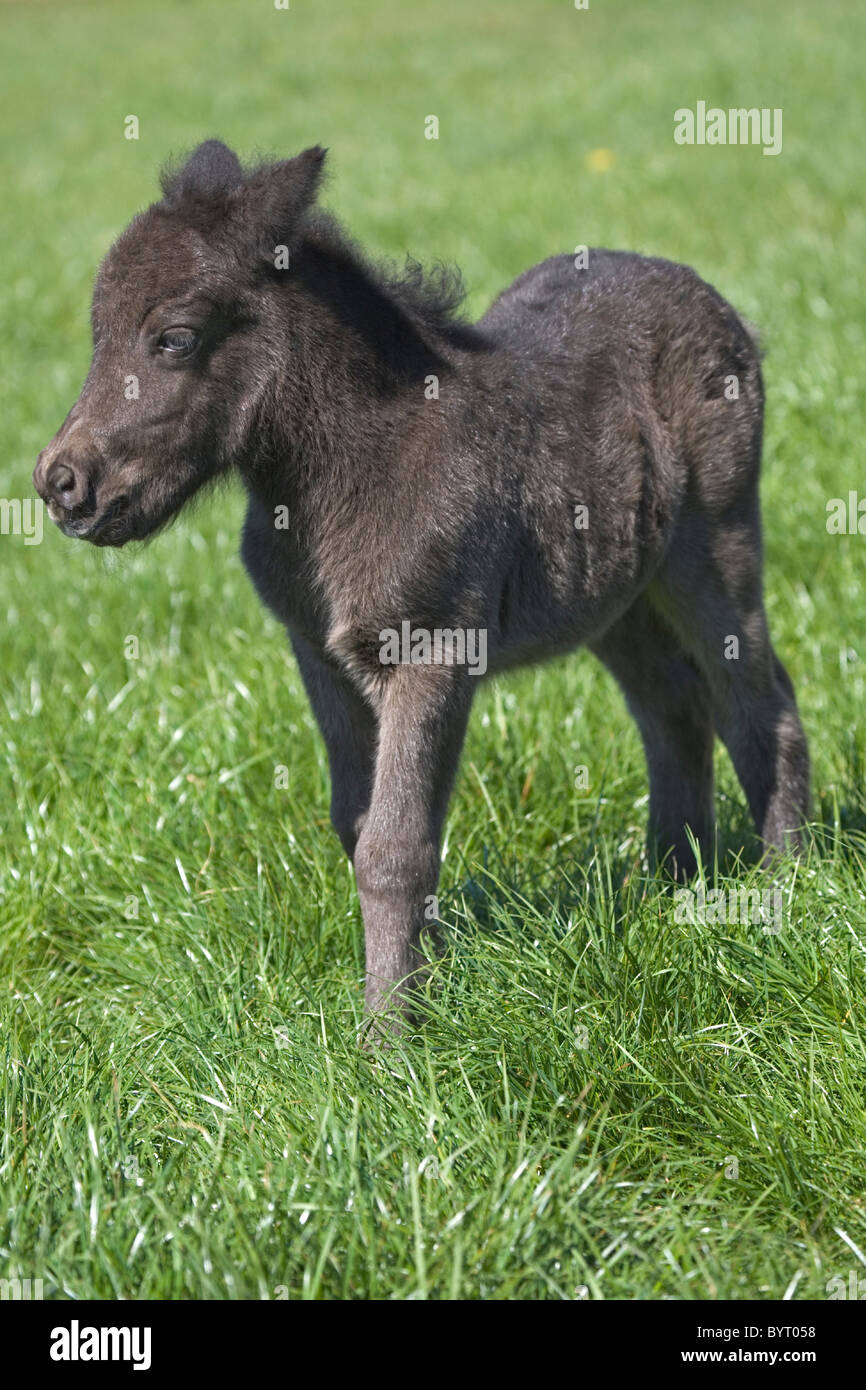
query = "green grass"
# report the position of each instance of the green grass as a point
(186, 1111)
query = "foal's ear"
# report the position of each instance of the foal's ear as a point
(208, 175)
(272, 202)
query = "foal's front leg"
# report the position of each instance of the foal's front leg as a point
(348, 726)
(422, 721)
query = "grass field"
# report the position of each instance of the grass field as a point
(604, 1102)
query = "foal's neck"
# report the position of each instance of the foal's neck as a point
(365, 358)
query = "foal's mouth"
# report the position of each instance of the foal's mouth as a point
(110, 527)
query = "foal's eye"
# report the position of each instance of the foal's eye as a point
(178, 342)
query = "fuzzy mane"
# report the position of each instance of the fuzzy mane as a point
(430, 299)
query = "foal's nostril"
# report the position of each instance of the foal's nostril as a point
(63, 479)
(66, 485)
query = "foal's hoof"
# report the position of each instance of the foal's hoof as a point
(388, 1018)
(381, 1030)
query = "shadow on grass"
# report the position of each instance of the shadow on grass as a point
(602, 885)
(840, 825)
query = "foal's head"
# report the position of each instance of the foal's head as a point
(182, 356)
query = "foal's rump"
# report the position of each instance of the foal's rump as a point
(646, 387)
(664, 376)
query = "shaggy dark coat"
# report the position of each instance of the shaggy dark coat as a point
(581, 466)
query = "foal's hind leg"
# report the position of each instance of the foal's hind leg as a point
(711, 595)
(671, 705)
